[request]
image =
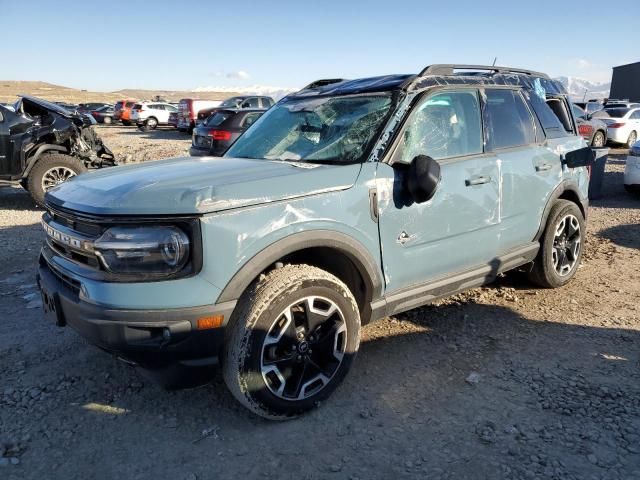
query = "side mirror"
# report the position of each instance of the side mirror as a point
(579, 158)
(423, 178)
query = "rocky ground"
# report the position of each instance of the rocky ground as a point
(500, 382)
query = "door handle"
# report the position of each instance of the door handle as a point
(543, 167)
(479, 180)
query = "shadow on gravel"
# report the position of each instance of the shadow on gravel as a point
(623, 235)
(158, 134)
(17, 199)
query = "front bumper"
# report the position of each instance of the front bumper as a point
(149, 338)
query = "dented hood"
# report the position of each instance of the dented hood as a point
(194, 185)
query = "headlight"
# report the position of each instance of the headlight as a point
(152, 250)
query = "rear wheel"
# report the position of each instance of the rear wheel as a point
(50, 170)
(560, 247)
(291, 342)
(598, 139)
(633, 137)
(107, 120)
(151, 123)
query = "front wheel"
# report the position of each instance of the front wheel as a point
(560, 247)
(50, 170)
(106, 120)
(291, 342)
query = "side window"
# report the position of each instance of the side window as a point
(266, 102)
(445, 125)
(1, 117)
(251, 103)
(635, 115)
(250, 119)
(508, 122)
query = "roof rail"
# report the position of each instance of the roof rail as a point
(446, 69)
(322, 83)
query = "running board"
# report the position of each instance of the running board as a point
(425, 293)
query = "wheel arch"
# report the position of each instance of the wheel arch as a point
(564, 191)
(37, 153)
(335, 252)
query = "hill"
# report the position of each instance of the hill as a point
(10, 89)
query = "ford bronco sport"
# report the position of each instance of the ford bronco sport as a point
(345, 202)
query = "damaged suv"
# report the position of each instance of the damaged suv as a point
(43, 144)
(345, 202)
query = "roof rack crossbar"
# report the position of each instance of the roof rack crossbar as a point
(448, 69)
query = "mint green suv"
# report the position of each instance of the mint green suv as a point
(347, 201)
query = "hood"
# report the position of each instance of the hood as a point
(196, 185)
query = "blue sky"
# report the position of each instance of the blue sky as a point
(111, 45)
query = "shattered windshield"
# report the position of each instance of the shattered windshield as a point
(321, 129)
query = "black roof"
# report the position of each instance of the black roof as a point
(435, 75)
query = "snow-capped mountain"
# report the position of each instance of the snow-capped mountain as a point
(578, 86)
(274, 92)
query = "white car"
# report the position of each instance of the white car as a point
(632, 170)
(623, 124)
(151, 114)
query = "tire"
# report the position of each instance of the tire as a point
(107, 120)
(633, 136)
(44, 171)
(263, 329)
(632, 189)
(598, 139)
(546, 272)
(142, 127)
(151, 123)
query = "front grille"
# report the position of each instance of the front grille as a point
(72, 239)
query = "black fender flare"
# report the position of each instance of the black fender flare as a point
(344, 243)
(33, 158)
(559, 191)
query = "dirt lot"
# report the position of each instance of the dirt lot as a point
(501, 382)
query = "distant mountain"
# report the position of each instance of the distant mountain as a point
(578, 86)
(275, 92)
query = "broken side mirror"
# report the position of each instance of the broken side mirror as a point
(423, 178)
(579, 158)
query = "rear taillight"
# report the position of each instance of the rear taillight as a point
(616, 125)
(220, 134)
(585, 130)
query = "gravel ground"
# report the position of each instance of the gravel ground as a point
(500, 382)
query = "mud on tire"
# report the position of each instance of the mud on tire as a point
(48, 168)
(279, 322)
(561, 246)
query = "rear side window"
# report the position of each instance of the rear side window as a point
(218, 118)
(266, 103)
(507, 120)
(138, 106)
(445, 125)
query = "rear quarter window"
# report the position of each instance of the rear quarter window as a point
(551, 124)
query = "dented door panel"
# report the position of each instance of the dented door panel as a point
(454, 231)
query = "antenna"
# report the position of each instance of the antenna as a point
(494, 61)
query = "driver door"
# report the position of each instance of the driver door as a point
(458, 229)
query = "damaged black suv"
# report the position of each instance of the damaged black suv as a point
(43, 144)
